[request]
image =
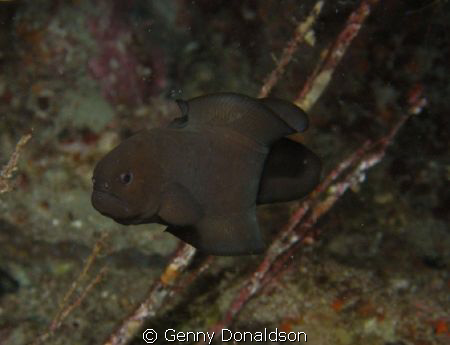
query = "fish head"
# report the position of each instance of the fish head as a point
(126, 180)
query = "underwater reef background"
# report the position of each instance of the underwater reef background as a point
(80, 76)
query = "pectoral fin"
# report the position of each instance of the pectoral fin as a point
(178, 206)
(237, 234)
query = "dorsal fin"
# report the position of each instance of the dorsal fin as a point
(294, 116)
(184, 107)
(239, 113)
(181, 121)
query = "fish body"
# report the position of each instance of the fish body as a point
(204, 174)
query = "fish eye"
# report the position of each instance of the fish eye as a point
(126, 178)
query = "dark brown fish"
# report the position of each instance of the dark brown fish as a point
(203, 175)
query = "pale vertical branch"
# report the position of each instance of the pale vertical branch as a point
(162, 289)
(11, 166)
(330, 57)
(289, 50)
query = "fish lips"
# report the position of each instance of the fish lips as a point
(111, 206)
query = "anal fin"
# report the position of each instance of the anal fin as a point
(237, 234)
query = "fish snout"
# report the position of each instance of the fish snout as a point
(100, 186)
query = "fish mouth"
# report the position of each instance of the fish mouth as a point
(103, 193)
(109, 204)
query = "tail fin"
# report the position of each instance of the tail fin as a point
(291, 171)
